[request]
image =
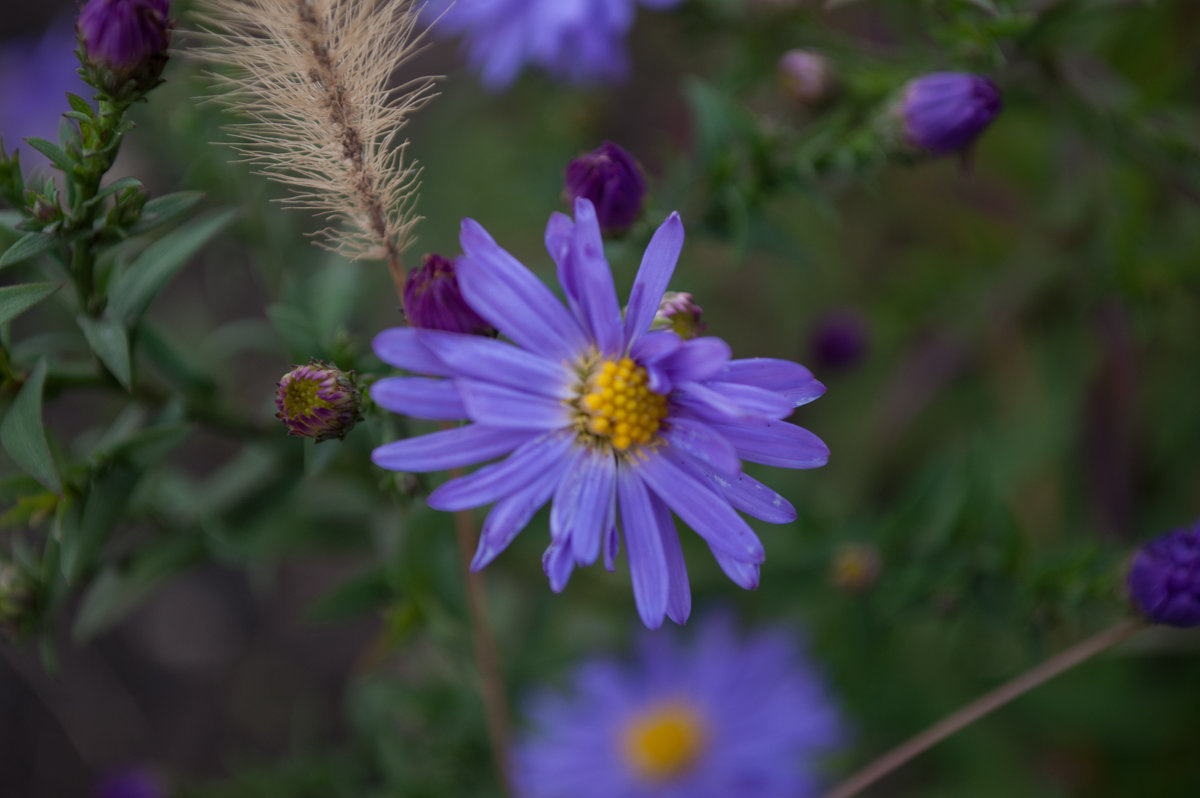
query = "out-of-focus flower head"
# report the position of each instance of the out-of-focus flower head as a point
(839, 340)
(944, 112)
(612, 180)
(433, 300)
(35, 77)
(678, 313)
(581, 41)
(722, 717)
(129, 784)
(317, 401)
(855, 567)
(622, 425)
(124, 44)
(1164, 580)
(807, 77)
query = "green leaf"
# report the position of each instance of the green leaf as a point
(85, 525)
(132, 292)
(161, 210)
(113, 188)
(55, 153)
(109, 341)
(360, 594)
(16, 299)
(26, 247)
(79, 104)
(24, 437)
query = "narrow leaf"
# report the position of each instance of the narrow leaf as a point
(133, 291)
(79, 104)
(161, 210)
(16, 299)
(26, 247)
(55, 153)
(24, 437)
(114, 187)
(108, 340)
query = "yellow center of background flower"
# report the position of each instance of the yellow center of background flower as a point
(617, 404)
(663, 742)
(300, 398)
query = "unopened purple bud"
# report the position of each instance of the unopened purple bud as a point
(433, 300)
(318, 401)
(129, 784)
(124, 44)
(807, 77)
(677, 312)
(613, 181)
(1164, 580)
(839, 340)
(945, 111)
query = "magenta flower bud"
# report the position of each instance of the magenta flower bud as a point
(1164, 580)
(433, 300)
(124, 44)
(945, 111)
(613, 181)
(318, 401)
(807, 77)
(679, 313)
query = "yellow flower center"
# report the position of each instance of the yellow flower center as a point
(301, 398)
(663, 742)
(616, 405)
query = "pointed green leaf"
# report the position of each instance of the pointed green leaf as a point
(132, 292)
(16, 299)
(55, 153)
(79, 104)
(113, 188)
(161, 210)
(24, 437)
(109, 341)
(86, 524)
(26, 247)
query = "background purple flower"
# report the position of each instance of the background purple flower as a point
(723, 717)
(129, 784)
(611, 178)
(582, 41)
(1164, 580)
(946, 111)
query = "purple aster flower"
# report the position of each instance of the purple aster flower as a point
(433, 301)
(129, 784)
(1164, 580)
(612, 180)
(123, 41)
(945, 111)
(582, 41)
(35, 77)
(619, 424)
(317, 401)
(724, 717)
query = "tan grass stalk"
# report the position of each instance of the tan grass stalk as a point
(312, 78)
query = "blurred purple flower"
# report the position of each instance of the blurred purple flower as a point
(808, 77)
(129, 784)
(1164, 580)
(839, 340)
(35, 77)
(582, 41)
(433, 300)
(612, 180)
(723, 717)
(945, 111)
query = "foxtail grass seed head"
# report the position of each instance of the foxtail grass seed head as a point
(808, 78)
(433, 300)
(678, 313)
(945, 112)
(611, 178)
(318, 401)
(124, 45)
(1164, 579)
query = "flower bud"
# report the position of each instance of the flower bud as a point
(1164, 579)
(318, 401)
(677, 312)
(856, 567)
(807, 77)
(124, 44)
(613, 181)
(945, 111)
(433, 301)
(839, 340)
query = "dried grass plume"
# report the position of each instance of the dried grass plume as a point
(312, 78)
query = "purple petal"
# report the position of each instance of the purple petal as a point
(658, 264)
(654, 347)
(582, 502)
(400, 347)
(451, 448)
(500, 363)
(612, 541)
(701, 508)
(496, 406)
(783, 376)
(776, 443)
(700, 441)
(744, 574)
(587, 281)
(557, 563)
(492, 482)
(702, 402)
(755, 499)
(679, 597)
(643, 544)
(698, 359)
(512, 514)
(559, 232)
(755, 401)
(513, 300)
(420, 397)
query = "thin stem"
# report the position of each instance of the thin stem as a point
(983, 705)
